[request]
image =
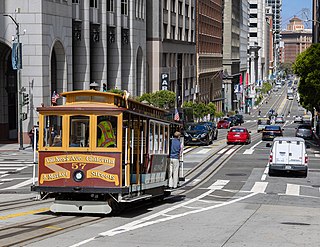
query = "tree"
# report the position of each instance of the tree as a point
(266, 87)
(307, 67)
(162, 99)
(201, 109)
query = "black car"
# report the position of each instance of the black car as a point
(270, 132)
(239, 119)
(198, 133)
(214, 128)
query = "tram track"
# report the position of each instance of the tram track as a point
(22, 203)
(206, 167)
(34, 230)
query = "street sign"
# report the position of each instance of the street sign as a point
(164, 81)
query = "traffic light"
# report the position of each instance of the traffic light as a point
(25, 99)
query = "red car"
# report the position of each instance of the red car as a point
(238, 135)
(223, 124)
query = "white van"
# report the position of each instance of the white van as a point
(288, 154)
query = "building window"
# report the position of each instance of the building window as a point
(124, 7)
(76, 1)
(253, 15)
(94, 4)
(186, 35)
(173, 30)
(164, 60)
(180, 33)
(192, 12)
(253, 24)
(186, 10)
(253, 34)
(165, 31)
(110, 6)
(253, 6)
(173, 5)
(180, 8)
(165, 4)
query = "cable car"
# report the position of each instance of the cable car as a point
(99, 151)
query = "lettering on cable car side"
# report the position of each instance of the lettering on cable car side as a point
(79, 161)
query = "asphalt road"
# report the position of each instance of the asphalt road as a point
(240, 205)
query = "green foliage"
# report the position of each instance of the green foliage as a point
(307, 67)
(219, 114)
(201, 109)
(266, 86)
(116, 91)
(258, 100)
(162, 99)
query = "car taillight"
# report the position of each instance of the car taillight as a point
(306, 159)
(270, 158)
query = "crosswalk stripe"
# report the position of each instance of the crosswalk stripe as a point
(317, 155)
(17, 186)
(218, 185)
(231, 151)
(222, 151)
(259, 187)
(293, 189)
(203, 151)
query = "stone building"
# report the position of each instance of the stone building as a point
(209, 51)
(69, 45)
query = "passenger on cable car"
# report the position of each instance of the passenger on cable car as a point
(106, 136)
(57, 141)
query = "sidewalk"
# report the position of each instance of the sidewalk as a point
(11, 152)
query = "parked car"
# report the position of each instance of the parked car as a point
(306, 119)
(271, 131)
(238, 135)
(262, 122)
(223, 124)
(288, 154)
(304, 131)
(198, 133)
(279, 119)
(297, 119)
(214, 128)
(239, 119)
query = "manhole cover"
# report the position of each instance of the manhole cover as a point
(295, 223)
(236, 174)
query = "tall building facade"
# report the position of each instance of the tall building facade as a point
(73, 44)
(231, 52)
(209, 51)
(276, 6)
(171, 48)
(295, 39)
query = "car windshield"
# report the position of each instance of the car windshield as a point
(304, 127)
(272, 127)
(237, 130)
(196, 127)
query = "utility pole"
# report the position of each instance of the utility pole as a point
(18, 68)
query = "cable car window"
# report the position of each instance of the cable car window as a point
(107, 131)
(166, 139)
(79, 131)
(156, 138)
(52, 136)
(151, 134)
(161, 141)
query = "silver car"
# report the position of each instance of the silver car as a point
(304, 131)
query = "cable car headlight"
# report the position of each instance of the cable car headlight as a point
(78, 176)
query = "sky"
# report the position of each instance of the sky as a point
(292, 8)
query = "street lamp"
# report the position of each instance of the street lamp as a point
(18, 68)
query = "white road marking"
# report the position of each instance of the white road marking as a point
(259, 187)
(203, 151)
(265, 173)
(17, 186)
(150, 220)
(251, 150)
(231, 151)
(316, 151)
(248, 151)
(293, 189)
(9, 168)
(222, 150)
(317, 155)
(218, 185)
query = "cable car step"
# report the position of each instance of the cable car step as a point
(136, 198)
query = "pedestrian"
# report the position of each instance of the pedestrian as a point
(259, 112)
(175, 152)
(31, 136)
